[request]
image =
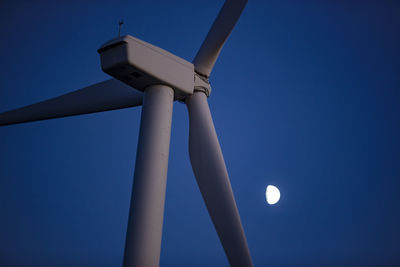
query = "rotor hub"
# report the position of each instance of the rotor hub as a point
(201, 84)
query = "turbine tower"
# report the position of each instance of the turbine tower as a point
(146, 75)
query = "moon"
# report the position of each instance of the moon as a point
(272, 194)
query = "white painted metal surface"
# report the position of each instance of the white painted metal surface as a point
(143, 237)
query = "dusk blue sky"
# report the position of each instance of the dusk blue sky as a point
(306, 96)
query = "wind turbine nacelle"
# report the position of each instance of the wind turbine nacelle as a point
(140, 64)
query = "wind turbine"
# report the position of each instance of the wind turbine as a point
(152, 77)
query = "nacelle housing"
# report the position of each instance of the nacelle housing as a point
(140, 64)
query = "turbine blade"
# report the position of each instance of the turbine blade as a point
(107, 95)
(216, 37)
(213, 180)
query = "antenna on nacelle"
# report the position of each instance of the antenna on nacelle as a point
(121, 21)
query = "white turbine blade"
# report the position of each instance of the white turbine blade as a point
(216, 37)
(212, 178)
(107, 95)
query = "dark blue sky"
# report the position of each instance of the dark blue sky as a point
(306, 96)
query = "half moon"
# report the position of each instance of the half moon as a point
(272, 194)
